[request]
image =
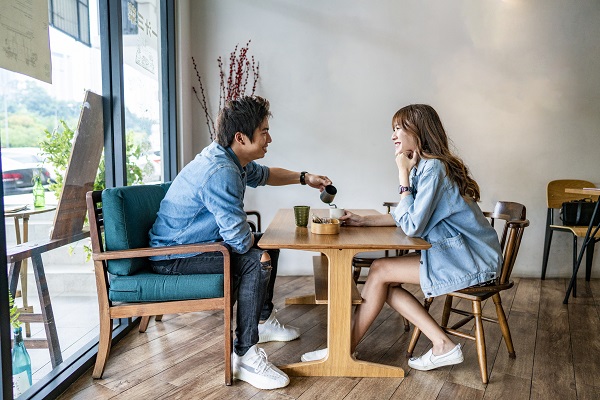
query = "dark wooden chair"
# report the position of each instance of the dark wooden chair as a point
(120, 219)
(514, 216)
(555, 196)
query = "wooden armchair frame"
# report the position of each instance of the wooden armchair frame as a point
(109, 310)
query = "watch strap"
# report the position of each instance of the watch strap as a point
(303, 177)
(402, 189)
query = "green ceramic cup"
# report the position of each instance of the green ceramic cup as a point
(301, 215)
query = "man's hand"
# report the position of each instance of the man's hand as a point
(317, 181)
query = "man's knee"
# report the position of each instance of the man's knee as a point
(265, 257)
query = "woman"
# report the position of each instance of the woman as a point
(438, 203)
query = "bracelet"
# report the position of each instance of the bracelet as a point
(303, 177)
(402, 189)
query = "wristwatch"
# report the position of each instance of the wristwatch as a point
(302, 177)
(402, 189)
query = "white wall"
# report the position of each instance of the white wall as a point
(517, 85)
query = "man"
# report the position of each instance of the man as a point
(205, 203)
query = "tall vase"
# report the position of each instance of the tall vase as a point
(21, 365)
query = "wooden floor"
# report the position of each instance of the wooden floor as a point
(557, 346)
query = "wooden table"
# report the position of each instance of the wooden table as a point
(24, 215)
(339, 250)
(589, 235)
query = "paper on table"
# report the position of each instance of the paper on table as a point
(14, 208)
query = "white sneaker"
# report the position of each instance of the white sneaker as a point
(273, 331)
(429, 361)
(314, 355)
(319, 355)
(254, 368)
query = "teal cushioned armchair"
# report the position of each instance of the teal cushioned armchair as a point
(127, 286)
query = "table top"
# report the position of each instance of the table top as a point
(30, 210)
(283, 233)
(590, 191)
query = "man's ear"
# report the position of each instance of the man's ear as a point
(240, 138)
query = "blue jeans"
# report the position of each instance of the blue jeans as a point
(253, 285)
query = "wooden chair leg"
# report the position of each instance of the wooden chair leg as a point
(447, 310)
(106, 327)
(413, 342)
(228, 346)
(406, 324)
(504, 325)
(158, 318)
(427, 303)
(480, 341)
(144, 323)
(356, 273)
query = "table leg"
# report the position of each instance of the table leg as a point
(339, 361)
(23, 273)
(589, 235)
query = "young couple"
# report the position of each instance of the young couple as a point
(205, 203)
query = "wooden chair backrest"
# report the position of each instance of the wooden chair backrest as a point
(556, 191)
(82, 169)
(514, 234)
(514, 216)
(507, 211)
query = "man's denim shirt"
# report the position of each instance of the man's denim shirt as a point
(464, 249)
(205, 202)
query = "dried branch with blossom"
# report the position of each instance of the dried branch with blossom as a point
(233, 81)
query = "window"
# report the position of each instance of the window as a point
(86, 37)
(72, 18)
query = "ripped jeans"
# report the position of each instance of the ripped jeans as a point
(253, 284)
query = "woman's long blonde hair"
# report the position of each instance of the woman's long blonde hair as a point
(424, 123)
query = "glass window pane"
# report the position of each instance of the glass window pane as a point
(142, 89)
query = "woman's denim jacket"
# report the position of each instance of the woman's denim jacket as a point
(465, 250)
(205, 202)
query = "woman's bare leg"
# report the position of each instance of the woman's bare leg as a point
(379, 288)
(382, 273)
(408, 306)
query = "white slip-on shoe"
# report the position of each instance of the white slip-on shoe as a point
(428, 361)
(273, 331)
(254, 368)
(319, 355)
(314, 355)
